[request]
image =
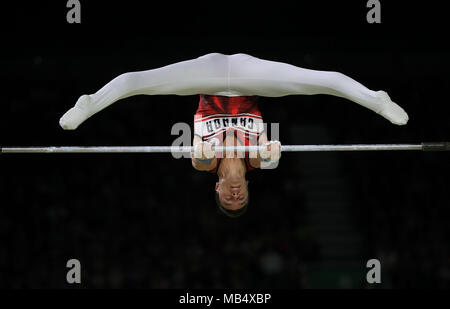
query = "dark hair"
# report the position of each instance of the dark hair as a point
(232, 213)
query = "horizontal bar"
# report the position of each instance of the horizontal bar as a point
(440, 146)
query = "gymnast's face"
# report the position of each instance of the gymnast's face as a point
(233, 192)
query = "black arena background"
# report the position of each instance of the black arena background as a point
(150, 221)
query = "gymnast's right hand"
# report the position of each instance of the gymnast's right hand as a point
(203, 151)
(77, 114)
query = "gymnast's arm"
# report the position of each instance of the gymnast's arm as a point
(206, 160)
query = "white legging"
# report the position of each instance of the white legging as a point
(228, 75)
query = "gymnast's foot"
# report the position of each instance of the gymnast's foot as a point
(77, 114)
(391, 110)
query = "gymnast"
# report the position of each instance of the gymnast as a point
(228, 113)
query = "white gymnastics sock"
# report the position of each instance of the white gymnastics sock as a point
(234, 75)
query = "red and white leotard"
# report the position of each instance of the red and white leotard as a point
(218, 116)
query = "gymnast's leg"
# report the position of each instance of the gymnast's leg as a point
(204, 75)
(253, 76)
(238, 74)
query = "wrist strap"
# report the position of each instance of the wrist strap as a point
(207, 161)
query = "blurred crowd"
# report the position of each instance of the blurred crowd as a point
(129, 229)
(404, 214)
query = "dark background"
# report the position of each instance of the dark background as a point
(150, 221)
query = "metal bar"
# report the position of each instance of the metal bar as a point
(439, 146)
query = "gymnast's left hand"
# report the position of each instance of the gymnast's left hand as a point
(271, 151)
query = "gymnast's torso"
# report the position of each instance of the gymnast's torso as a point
(221, 119)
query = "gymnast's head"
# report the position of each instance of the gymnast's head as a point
(232, 194)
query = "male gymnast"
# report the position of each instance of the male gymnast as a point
(228, 113)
